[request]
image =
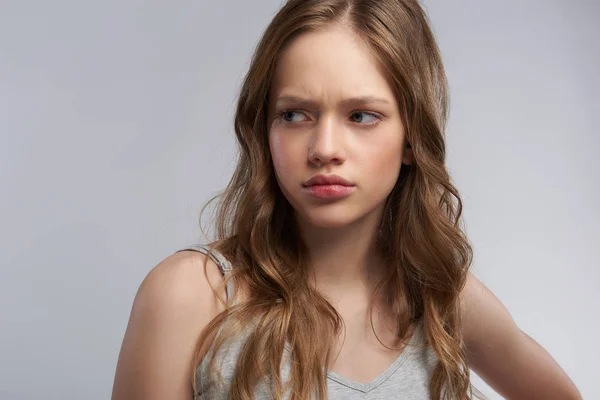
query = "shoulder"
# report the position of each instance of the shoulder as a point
(484, 315)
(171, 308)
(180, 281)
(481, 311)
(508, 359)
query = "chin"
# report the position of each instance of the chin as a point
(327, 219)
(330, 224)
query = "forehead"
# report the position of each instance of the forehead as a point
(331, 63)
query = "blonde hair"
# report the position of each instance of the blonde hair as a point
(426, 252)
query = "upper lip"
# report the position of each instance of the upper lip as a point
(332, 179)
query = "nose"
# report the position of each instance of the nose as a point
(327, 142)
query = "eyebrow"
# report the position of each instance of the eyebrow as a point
(302, 102)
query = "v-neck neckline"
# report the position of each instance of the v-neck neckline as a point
(389, 371)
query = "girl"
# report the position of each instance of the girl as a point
(340, 269)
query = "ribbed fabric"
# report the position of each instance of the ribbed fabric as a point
(406, 378)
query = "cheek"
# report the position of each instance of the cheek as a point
(282, 155)
(383, 152)
(385, 165)
(383, 161)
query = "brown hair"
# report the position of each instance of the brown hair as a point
(426, 252)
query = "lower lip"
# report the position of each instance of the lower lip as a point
(329, 191)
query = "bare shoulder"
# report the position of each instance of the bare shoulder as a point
(508, 359)
(181, 280)
(172, 306)
(179, 287)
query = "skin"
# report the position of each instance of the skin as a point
(320, 122)
(327, 134)
(355, 139)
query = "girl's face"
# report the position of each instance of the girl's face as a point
(331, 111)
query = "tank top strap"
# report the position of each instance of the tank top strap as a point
(224, 265)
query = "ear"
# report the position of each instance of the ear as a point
(407, 154)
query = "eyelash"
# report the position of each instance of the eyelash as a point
(376, 116)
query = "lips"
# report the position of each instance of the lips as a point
(332, 179)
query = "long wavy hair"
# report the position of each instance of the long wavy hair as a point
(426, 252)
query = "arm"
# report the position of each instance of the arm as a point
(172, 306)
(505, 357)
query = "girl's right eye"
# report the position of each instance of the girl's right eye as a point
(287, 116)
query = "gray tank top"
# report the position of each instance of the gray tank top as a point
(406, 378)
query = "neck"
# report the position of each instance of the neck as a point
(344, 259)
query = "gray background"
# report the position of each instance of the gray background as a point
(116, 126)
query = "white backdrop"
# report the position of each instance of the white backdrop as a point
(116, 126)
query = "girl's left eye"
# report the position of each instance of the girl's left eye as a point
(371, 118)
